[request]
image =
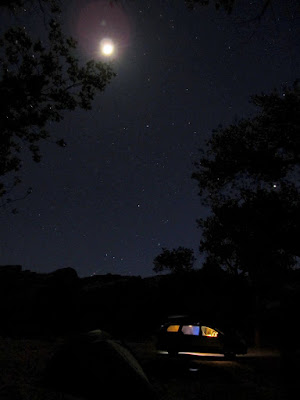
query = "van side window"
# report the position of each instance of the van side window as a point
(173, 328)
(191, 330)
(206, 331)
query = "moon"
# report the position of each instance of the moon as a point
(107, 47)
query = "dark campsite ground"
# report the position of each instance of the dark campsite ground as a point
(39, 310)
(257, 375)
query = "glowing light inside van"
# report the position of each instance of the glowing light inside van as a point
(173, 328)
(206, 331)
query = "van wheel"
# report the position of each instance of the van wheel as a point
(229, 355)
(172, 352)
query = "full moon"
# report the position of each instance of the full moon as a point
(107, 47)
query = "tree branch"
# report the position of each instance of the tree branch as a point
(261, 14)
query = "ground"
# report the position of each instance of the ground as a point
(256, 375)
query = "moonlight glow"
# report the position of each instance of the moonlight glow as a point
(107, 47)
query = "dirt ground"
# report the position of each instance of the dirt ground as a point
(254, 376)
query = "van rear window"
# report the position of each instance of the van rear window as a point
(173, 328)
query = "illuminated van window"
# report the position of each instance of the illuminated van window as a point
(190, 330)
(173, 328)
(206, 331)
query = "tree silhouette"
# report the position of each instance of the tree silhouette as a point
(177, 260)
(39, 81)
(249, 176)
(16, 5)
(228, 5)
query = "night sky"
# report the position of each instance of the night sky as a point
(121, 189)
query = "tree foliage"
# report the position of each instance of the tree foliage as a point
(17, 5)
(249, 175)
(226, 4)
(255, 9)
(39, 81)
(176, 260)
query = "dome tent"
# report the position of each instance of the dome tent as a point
(93, 365)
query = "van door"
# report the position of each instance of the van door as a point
(211, 341)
